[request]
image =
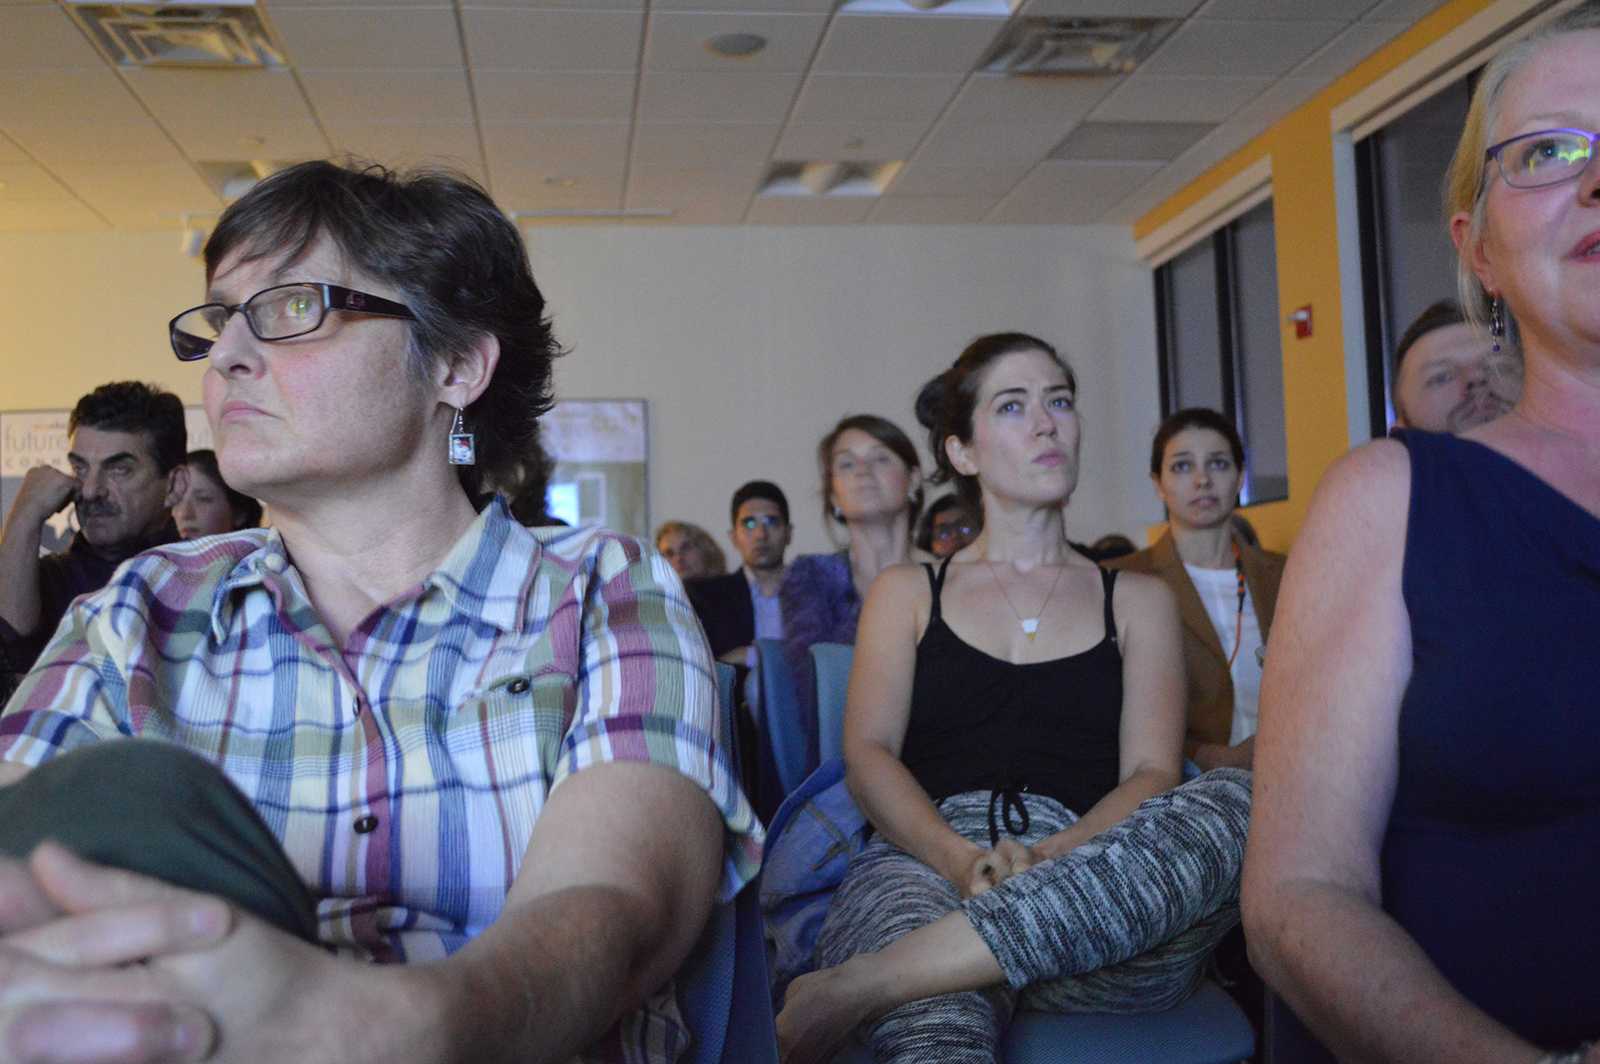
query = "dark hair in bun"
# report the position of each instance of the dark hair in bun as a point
(945, 404)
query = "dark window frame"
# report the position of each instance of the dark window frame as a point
(1224, 257)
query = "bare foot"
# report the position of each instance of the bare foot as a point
(821, 1010)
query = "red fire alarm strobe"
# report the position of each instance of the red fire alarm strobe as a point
(1302, 322)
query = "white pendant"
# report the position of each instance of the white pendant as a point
(1030, 626)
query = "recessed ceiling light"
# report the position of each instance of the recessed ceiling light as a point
(736, 45)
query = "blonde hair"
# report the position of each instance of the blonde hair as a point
(1466, 182)
(716, 561)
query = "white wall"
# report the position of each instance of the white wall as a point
(748, 343)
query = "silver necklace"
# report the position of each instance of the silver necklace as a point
(1030, 625)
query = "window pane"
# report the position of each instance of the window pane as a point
(1196, 358)
(1260, 356)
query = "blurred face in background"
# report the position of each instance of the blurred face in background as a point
(684, 554)
(1451, 380)
(760, 534)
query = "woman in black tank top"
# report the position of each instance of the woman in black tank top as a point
(1021, 678)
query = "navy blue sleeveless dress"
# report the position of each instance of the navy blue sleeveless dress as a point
(1492, 857)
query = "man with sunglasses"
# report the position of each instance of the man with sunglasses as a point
(126, 446)
(742, 606)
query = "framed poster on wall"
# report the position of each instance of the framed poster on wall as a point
(39, 437)
(600, 451)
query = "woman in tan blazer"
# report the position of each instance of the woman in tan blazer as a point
(1225, 586)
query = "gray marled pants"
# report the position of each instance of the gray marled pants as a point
(1124, 923)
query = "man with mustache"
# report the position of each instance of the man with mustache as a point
(1448, 377)
(127, 443)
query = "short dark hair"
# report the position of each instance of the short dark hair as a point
(938, 506)
(246, 510)
(457, 261)
(1194, 417)
(758, 489)
(133, 406)
(1440, 315)
(885, 432)
(945, 404)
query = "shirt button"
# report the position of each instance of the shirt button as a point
(366, 825)
(517, 687)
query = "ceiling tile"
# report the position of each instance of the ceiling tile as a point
(1283, 97)
(1145, 98)
(697, 147)
(979, 145)
(678, 41)
(423, 96)
(449, 144)
(28, 183)
(79, 114)
(1130, 141)
(571, 96)
(33, 37)
(10, 153)
(72, 217)
(563, 5)
(864, 98)
(1071, 193)
(672, 96)
(346, 38)
(708, 212)
(931, 210)
(1109, 8)
(1346, 51)
(528, 190)
(823, 6)
(924, 179)
(809, 210)
(145, 217)
(889, 44)
(168, 186)
(1348, 10)
(1257, 48)
(231, 114)
(882, 141)
(553, 40)
(668, 188)
(1404, 10)
(556, 151)
(997, 98)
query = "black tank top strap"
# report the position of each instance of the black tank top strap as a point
(1108, 579)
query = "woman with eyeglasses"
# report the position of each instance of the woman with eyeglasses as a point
(1225, 586)
(1423, 867)
(1013, 733)
(946, 527)
(398, 778)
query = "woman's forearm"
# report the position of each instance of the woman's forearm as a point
(901, 812)
(1363, 985)
(1108, 811)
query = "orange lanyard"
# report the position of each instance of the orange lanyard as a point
(1238, 617)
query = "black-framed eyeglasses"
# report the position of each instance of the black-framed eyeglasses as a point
(754, 521)
(281, 312)
(1548, 157)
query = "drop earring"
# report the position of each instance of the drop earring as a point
(463, 444)
(1497, 322)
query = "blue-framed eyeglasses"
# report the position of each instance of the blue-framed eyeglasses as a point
(281, 312)
(755, 521)
(1548, 157)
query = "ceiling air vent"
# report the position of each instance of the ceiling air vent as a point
(228, 35)
(1075, 47)
(828, 179)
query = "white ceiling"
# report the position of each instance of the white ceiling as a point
(596, 108)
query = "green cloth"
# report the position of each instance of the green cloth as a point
(155, 808)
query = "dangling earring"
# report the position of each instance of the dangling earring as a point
(463, 444)
(1497, 322)
(838, 514)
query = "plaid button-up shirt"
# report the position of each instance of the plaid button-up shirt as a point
(448, 716)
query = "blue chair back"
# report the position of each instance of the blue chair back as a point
(830, 668)
(782, 720)
(722, 987)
